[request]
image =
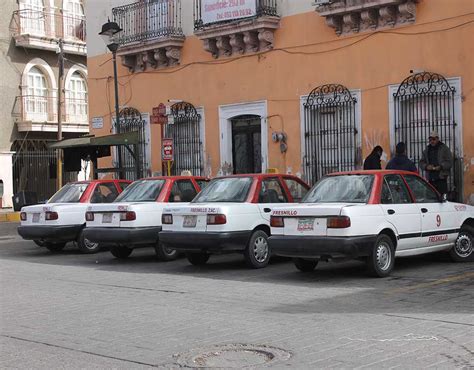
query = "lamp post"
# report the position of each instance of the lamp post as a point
(109, 30)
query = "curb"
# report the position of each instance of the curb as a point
(10, 217)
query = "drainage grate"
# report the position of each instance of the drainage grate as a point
(232, 356)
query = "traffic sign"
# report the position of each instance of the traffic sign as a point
(167, 149)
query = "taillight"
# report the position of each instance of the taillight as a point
(218, 219)
(89, 216)
(50, 216)
(339, 222)
(276, 221)
(128, 216)
(167, 219)
(23, 216)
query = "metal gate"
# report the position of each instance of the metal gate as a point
(330, 132)
(425, 102)
(34, 168)
(134, 160)
(186, 135)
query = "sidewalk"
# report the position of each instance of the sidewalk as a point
(9, 215)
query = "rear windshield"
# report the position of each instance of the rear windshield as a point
(69, 193)
(230, 189)
(141, 191)
(341, 189)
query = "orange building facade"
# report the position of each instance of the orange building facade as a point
(305, 91)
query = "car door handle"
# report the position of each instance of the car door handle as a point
(390, 211)
(267, 210)
(424, 210)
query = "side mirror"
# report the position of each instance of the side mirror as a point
(444, 198)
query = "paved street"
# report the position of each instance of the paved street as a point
(69, 310)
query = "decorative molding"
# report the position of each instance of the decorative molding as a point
(236, 38)
(352, 16)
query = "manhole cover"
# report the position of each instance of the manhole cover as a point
(232, 356)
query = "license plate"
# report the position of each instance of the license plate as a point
(107, 218)
(189, 221)
(36, 217)
(305, 224)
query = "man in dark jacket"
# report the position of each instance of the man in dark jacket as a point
(372, 162)
(401, 161)
(437, 161)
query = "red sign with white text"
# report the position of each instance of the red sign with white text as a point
(168, 149)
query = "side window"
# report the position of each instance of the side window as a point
(397, 190)
(297, 190)
(271, 192)
(182, 191)
(104, 193)
(123, 185)
(202, 183)
(421, 190)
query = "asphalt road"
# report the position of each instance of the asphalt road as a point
(69, 310)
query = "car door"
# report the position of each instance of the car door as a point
(438, 221)
(400, 211)
(271, 195)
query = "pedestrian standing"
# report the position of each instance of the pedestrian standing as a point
(401, 161)
(372, 162)
(437, 161)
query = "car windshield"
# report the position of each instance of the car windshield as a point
(230, 189)
(141, 191)
(341, 189)
(69, 193)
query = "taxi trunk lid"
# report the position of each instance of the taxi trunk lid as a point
(191, 218)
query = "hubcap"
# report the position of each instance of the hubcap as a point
(169, 251)
(89, 244)
(260, 249)
(463, 246)
(383, 255)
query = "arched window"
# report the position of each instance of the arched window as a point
(33, 17)
(76, 96)
(73, 18)
(36, 99)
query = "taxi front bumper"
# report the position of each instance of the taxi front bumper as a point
(322, 246)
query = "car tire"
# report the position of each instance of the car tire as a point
(39, 243)
(463, 249)
(86, 246)
(197, 259)
(164, 253)
(54, 247)
(257, 253)
(305, 265)
(381, 260)
(120, 251)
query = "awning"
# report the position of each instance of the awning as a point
(125, 138)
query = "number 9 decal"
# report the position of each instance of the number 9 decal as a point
(438, 220)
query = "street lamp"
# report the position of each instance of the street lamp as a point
(109, 30)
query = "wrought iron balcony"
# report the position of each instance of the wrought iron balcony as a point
(41, 29)
(236, 27)
(152, 35)
(352, 16)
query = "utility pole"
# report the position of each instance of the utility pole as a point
(59, 170)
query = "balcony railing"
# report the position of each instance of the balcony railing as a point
(145, 21)
(48, 24)
(263, 8)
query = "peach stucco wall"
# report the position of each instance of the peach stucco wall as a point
(441, 41)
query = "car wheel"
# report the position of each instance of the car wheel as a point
(120, 251)
(257, 253)
(382, 257)
(165, 253)
(86, 246)
(197, 259)
(305, 265)
(463, 250)
(54, 247)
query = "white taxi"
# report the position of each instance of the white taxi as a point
(232, 214)
(61, 219)
(134, 219)
(377, 215)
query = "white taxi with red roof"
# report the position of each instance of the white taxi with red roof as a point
(377, 215)
(134, 219)
(61, 219)
(232, 214)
